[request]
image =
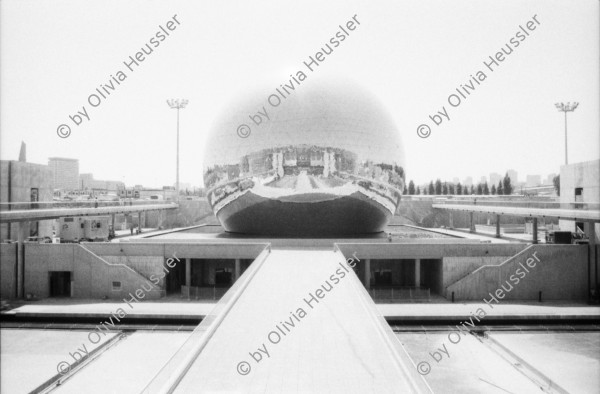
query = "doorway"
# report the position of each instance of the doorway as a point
(175, 278)
(223, 277)
(60, 283)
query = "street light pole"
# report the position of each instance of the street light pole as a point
(566, 152)
(178, 104)
(562, 107)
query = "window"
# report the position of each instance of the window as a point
(116, 286)
(578, 196)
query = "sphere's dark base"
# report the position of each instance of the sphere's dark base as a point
(349, 215)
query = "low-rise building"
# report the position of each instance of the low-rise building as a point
(23, 184)
(580, 189)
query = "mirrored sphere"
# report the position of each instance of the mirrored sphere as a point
(323, 159)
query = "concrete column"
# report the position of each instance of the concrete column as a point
(367, 277)
(200, 273)
(471, 225)
(238, 269)
(590, 230)
(140, 221)
(497, 226)
(535, 231)
(20, 259)
(159, 218)
(188, 272)
(417, 272)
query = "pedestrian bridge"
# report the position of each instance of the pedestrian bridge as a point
(296, 321)
(34, 213)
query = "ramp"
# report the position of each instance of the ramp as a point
(303, 322)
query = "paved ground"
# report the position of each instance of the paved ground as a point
(94, 308)
(571, 360)
(466, 234)
(30, 357)
(127, 367)
(506, 311)
(408, 311)
(464, 367)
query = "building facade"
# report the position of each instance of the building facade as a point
(514, 176)
(21, 186)
(580, 189)
(66, 173)
(533, 180)
(87, 182)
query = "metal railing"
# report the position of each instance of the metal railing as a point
(203, 292)
(400, 293)
(524, 204)
(17, 206)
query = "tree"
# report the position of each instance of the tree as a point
(493, 189)
(418, 190)
(500, 189)
(405, 190)
(556, 182)
(459, 189)
(508, 189)
(486, 189)
(438, 187)
(411, 188)
(445, 188)
(451, 189)
(431, 188)
(479, 189)
(472, 189)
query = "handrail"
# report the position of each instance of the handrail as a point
(45, 214)
(82, 246)
(491, 265)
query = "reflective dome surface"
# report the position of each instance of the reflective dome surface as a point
(326, 161)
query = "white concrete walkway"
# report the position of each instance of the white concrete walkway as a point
(272, 340)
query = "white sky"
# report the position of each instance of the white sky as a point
(411, 54)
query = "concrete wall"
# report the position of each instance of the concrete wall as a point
(8, 270)
(561, 274)
(190, 212)
(91, 276)
(429, 249)
(587, 176)
(145, 265)
(94, 266)
(456, 268)
(183, 249)
(22, 177)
